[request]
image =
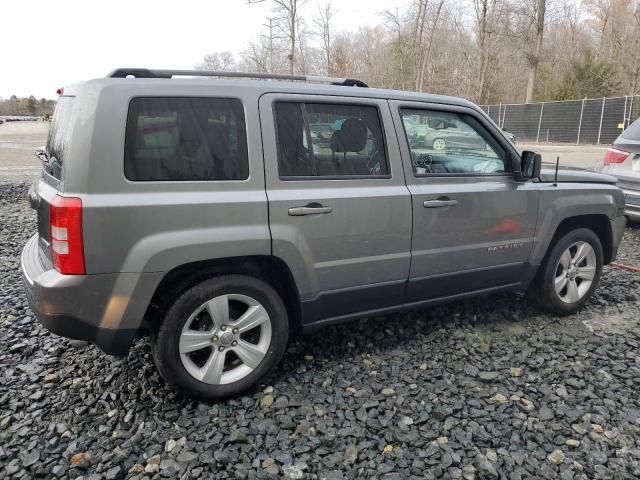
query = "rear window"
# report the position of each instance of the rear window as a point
(633, 131)
(59, 136)
(171, 139)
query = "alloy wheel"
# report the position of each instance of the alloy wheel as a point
(575, 272)
(225, 339)
(439, 144)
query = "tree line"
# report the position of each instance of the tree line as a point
(26, 106)
(489, 51)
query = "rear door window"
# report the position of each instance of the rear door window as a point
(633, 131)
(329, 140)
(171, 139)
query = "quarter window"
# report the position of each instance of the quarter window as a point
(450, 143)
(329, 140)
(169, 139)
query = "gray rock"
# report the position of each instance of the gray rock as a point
(31, 458)
(545, 414)
(58, 470)
(294, 472)
(485, 469)
(112, 473)
(489, 376)
(169, 468)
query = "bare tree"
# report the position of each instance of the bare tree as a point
(534, 56)
(512, 49)
(218, 61)
(288, 14)
(323, 23)
(484, 10)
(425, 51)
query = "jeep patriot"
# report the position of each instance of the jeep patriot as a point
(219, 215)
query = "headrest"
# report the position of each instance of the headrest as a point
(352, 136)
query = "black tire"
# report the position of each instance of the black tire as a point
(542, 293)
(165, 347)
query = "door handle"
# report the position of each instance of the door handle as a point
(439, 203)
(308, 210)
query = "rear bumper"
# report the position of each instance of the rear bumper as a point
(95, 308)
(632, 203)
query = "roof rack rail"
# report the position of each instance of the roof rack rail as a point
(153, 73)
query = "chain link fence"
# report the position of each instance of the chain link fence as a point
(588, 121)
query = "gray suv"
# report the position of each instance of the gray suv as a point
(217, 216)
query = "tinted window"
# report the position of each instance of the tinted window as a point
(59, 135)
(446, 142)
(329, 140)
(186, 139)
(633, 131)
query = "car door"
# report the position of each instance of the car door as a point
(339, 211)
(473, 223)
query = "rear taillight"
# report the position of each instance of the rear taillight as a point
(615, 156)
(65, 222)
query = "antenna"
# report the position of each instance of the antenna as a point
(555, 177)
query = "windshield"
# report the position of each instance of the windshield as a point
(59, 135)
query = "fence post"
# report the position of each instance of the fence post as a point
(504, 114)
(540, 123)
(601, 115)
(624, 115)
(580, 124)
(631, 108)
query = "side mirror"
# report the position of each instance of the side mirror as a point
(530, 165)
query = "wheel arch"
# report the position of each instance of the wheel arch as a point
(598, 223)
(269, 269)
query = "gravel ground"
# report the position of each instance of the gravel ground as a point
(482, 389)
(18, 142)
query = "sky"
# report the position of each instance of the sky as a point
(46, 44)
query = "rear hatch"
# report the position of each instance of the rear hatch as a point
(49, 184)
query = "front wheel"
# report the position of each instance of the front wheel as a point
(569, 274)
(221, 337)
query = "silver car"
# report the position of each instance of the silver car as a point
(211, 215)
(623, 162)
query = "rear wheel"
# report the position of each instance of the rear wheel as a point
(221, 337)
(569, 274)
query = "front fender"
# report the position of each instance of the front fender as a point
(568, 200)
